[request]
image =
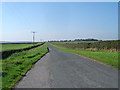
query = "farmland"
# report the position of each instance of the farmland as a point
(92, 45)
(16, 66)
(103, 51)
(6, 47)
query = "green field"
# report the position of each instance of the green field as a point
(109, 58)
(16, 66)
(6, 47)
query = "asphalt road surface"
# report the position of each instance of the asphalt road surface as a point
(59, 69)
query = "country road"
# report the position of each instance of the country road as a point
(59, 69)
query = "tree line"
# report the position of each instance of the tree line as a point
(89, 39)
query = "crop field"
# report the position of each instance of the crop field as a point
(107, 55)
(17, 65)
(6, 47)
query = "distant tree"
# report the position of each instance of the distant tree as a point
(89, 39)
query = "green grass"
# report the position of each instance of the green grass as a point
(0, 73)
(109, 58)
(6, 47)
(16, 66)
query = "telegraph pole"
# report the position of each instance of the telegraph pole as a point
(33, 37)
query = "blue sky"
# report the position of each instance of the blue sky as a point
(57, 21)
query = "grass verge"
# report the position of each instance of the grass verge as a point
(17, 65)
(0, 74)
(109, 58)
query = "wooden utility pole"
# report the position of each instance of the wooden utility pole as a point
(33, 37)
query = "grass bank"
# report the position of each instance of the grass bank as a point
(17, 65)
(0, 74)
(6, 54)
(109, 58)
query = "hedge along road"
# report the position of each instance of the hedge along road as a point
(59, 69)
(6, 54)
